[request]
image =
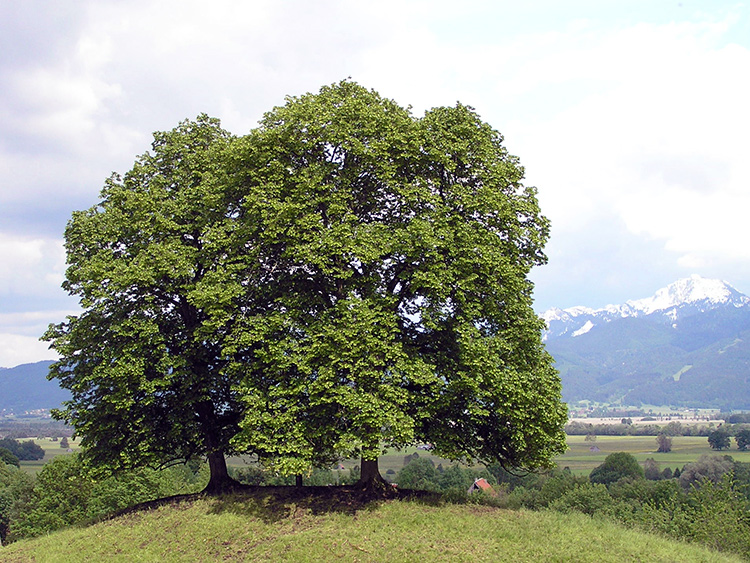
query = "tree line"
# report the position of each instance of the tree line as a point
(673, 428)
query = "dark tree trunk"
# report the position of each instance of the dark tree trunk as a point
(370, 479)
(298, 480)
(220, 481)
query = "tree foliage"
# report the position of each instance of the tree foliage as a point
(719, 440)
(144, 360)
(742, 437)
(664, 443)
(15, 491)
(615, 467)
(7, 457)
(398, 249)
(707, 467)
(24, 451)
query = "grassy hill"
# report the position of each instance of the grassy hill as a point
(280, 524)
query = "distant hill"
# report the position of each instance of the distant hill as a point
(688, 345)
(26, 388)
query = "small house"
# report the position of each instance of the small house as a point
(481, 485)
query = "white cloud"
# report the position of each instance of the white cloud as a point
(30, 266)
(663, 145)
(17, 349)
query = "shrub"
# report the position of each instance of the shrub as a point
(615, 467)
(713, 514)
(588, 498)
(711, 467)
(248, 475)
(419, 474)
(65, 494)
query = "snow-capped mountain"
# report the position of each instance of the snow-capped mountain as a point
(682, 298)
(688, 345)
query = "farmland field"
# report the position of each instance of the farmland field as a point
(51, 451)
(685, 449)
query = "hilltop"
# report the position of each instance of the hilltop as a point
(255, 527)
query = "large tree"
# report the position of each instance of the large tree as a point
(398, 250)
(144, 359)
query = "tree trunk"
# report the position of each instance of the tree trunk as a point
(370, 479)
(220, 481)
(298, 480)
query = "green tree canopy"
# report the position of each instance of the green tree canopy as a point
(742, 437)
(24, 451)
(398, 249)
(710, 467)
(616, 466)
(7, 457)
(144, 359)
(719, 439)
(419, 474)
(344, 278)
(664, 443)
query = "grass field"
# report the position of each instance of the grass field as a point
(51, 451)
(263, 528)
(685, 449)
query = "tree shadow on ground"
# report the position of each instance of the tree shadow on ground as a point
(274, 503)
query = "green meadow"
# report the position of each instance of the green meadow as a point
(581, 459)
(51, 450)
(256, 527)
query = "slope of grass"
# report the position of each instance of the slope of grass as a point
(274, 526)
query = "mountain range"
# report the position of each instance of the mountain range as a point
(26, 388)
(687, 345)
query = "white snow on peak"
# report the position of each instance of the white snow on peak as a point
(694, 289)
(555, 314)
(687, 290)
(584, 329)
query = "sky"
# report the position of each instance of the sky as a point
(632, 119)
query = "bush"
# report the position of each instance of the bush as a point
(713, 514)
(15, 492)
(249, 475)
(615, 467)
(588, 498)
(65, 494)
(419, 474)
(711, 467)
